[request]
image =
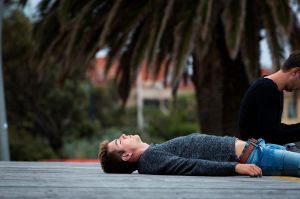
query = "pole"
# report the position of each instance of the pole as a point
(4, 148)
(140, 116)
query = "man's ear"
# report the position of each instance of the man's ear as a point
(298, 71)
(126, 156)
(295, 72)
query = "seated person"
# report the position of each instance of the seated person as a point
(262, 106)
(197, 154)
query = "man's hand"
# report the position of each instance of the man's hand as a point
(248, 169)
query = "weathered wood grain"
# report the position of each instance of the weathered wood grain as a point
(84, 180)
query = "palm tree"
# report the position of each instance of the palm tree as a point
(222, 37)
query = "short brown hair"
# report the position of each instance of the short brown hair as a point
(111, 162)
(292, 61)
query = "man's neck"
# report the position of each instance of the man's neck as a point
(140, 150)
(279, 78)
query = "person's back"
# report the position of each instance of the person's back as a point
(261, 110)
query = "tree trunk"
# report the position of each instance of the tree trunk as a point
(220, 83)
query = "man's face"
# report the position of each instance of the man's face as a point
(126, 143)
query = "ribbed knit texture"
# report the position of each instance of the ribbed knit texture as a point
(195, 154)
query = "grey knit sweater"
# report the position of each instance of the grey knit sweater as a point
(195, 154)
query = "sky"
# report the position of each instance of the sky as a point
(31, 7)
(265, 57)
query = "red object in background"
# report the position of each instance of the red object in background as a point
(265, 72)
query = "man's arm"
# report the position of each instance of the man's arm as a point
(163, 163)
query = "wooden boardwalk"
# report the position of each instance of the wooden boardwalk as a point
(86, 180)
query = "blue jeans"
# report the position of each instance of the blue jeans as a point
(274, 160)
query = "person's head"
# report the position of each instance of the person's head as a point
(121, 155)
(293, 61)
(292, 67)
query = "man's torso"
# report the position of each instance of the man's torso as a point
(262, 103)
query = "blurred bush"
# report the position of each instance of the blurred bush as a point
(27, 147)
(180, 120)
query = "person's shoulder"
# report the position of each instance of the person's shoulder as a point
(153, 149)
(264, 81)
(264, 84)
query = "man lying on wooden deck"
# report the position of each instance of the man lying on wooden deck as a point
(198, 154)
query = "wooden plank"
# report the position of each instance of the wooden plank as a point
(83, 180)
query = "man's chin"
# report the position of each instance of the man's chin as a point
(138, 137)
(290, 89)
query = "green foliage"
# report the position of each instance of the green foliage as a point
(105, 105)
(181, 120)
(38, 108)
(26, 147)
(81, 148)
(17, 38)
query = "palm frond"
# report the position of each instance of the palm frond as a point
(282, 14)
(155, 49)
(79, 26)
(233, 18)
(45, 7)
(141, 48)
(118, 40)
(124, 75)
(111, 16)
(185, 33)
(294, 38)
(64, 10)
(164, 56)
(272, 36)
(210, 11)
(250, 42)
(209, 18)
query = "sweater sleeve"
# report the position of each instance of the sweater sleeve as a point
(269, 118)
(163, 163)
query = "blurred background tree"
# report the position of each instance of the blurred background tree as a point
(50, 120)
(222, 37)
(44, 109)
(55, 112)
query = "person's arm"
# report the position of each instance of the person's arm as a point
(163, 163)
(269, 121)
